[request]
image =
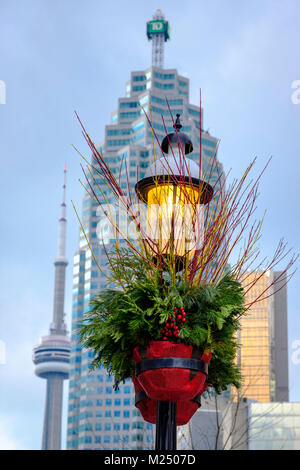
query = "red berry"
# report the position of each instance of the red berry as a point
(164, 338)
(179, 317)
(183, 313)
(184, 319)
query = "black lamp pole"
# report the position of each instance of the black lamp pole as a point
(166, 435)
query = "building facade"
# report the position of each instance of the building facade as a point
(274, 426)
(219, 424)
(224, 424)
(263, 354)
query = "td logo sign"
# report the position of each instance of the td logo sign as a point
(158, 26)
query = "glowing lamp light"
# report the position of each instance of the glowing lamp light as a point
(175, 197)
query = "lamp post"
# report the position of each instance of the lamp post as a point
(170, 185)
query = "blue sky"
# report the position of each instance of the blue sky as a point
(57, 56)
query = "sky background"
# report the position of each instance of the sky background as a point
(58, 56)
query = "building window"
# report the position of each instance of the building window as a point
(118, 131)
(182, 83)
(129, 104)
(118, 142)
(139, 78)
(139, 87)
(164, 86)
(129, 115)
(164, 76)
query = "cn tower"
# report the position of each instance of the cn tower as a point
(52, 356)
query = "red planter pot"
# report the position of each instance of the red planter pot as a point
(169, 371)
(185, 409)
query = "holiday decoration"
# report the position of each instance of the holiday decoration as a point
(170, 372)
(170, 314)
(148, 408)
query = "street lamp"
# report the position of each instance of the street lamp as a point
(175, 197)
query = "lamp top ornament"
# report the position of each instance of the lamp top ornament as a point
(175, 137)
(173, 168)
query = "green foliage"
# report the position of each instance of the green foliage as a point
(135, 313)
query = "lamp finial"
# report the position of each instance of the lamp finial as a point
(177, 124)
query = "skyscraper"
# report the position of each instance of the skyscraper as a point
(98, 417)
(261, 418)
(263, 353)
(52, 356)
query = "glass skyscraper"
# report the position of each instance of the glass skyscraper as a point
(263, 354)
(98, 416)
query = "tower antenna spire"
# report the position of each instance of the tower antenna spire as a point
(158, 31)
